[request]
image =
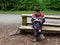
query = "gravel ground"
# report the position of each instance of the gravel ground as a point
(9, 23)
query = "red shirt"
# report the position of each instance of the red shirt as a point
(40, 16)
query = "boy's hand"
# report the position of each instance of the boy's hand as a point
(41, 21)
(39, 30)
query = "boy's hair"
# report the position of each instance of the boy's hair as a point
(36, 9)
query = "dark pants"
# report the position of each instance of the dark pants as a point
(36, 27)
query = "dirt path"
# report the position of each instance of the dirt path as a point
(9, 23)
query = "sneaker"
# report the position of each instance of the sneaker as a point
(35, 39)
(42, 36)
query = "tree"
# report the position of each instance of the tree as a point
(52, 4)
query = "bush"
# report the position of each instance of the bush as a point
(29, 4)
(52, 4)
(17, 4)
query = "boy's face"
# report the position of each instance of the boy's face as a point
(37, 13)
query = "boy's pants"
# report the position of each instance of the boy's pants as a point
(36, 28)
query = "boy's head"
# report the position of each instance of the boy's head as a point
(36, 10)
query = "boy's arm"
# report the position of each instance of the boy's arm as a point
(33, 18)
(42, 17)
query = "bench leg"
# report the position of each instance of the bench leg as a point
(17, 31)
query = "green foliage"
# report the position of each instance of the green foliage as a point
(17, 4)
(29, 4)
(52, 4)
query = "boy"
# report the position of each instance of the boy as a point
(37, 26)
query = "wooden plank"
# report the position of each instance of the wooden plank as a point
(52, 24)
(52, 17)
(44, 28)
(46, 16)
(47, 24)
(24, 20)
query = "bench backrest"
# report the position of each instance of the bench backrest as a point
(25, 16)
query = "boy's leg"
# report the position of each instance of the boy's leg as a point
(35, 29)
(35, 35)
(41, 34)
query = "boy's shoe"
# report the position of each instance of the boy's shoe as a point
(42, 36)
(35, 39)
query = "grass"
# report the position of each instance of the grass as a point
(30, 12)
(51, 12)
(16, 12)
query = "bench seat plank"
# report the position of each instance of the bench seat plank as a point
(44, 28)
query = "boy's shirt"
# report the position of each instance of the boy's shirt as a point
(41, 16)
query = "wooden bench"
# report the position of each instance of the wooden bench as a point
(47, 26)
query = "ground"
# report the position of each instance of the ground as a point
(21, 39)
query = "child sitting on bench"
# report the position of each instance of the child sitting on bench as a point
(37, 25)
